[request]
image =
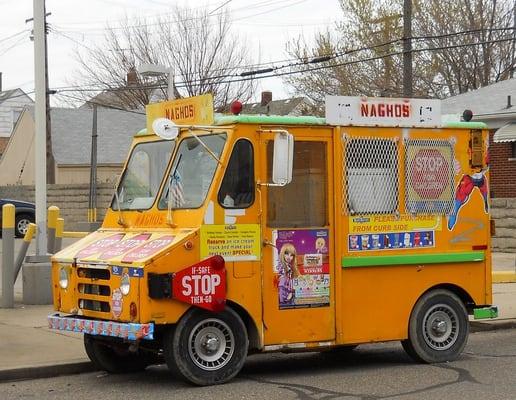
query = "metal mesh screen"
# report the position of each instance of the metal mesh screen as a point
(429, 171)
(371, 175)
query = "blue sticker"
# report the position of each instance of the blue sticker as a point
(386, 241)
(132, 272)
(136, 272)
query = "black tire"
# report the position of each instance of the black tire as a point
(115, 357)
(186, 347)
(438, 328)
(21, 224)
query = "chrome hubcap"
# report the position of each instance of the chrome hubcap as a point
(23, 225)
(440, 327)
(211, 344)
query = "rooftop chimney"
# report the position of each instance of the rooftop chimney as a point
(266, 98)
(132, 77)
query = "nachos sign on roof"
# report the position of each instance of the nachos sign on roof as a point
(382, 111)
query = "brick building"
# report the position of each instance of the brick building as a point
(496, 106)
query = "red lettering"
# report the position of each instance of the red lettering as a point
(397, 110)
(389, 111)
(373, 111)
(406, 111)
(364, 111)
(381, 110)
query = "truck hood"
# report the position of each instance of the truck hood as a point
(119, 247)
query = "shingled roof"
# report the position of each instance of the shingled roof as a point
(486, 100)
(71, 134)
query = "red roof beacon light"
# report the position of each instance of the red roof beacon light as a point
(236, 107)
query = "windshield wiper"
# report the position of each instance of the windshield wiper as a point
(120, 216)
(170, 221)
(210, 151)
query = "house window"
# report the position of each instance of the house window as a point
(513, 150)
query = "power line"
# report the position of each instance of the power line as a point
(13, 35)
(219, 7)
(272, 74)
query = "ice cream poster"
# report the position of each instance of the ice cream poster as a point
(301, 268)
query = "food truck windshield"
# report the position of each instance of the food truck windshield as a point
(192, 172)
(142, 176)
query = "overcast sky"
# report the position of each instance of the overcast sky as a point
(267, 24)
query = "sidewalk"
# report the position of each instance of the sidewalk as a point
(29, 349)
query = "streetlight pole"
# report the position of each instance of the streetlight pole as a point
(40, 162)
(150, 70)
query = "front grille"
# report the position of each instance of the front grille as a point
(93, 289)
(94, 273)
(99, 290)
(94, 305)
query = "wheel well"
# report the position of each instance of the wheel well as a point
(464, 296)
(252, 331)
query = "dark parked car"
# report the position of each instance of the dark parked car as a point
(25, 214)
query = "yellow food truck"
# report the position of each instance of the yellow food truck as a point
(235, 234)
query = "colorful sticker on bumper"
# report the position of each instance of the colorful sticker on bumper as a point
(301, 266)
(130, 331)
(117, 303)
(390, 241)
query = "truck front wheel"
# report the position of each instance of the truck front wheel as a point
(438, 328)
(207, 348)
(114, 357)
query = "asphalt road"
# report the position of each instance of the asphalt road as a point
(487, 370)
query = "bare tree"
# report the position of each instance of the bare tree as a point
(458, 46)
(199, 47)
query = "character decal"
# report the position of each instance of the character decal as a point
(301, 268)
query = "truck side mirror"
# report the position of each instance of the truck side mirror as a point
(283, 158)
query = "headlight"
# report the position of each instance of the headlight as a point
(63, 277)
(125, 284)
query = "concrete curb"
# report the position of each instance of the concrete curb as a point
(46, 371)
(492, 325)
(504, 276)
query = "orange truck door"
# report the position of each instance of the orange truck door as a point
(298, 237)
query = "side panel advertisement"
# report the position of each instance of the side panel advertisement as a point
(301, 267)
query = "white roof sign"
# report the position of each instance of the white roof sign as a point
(382, 111)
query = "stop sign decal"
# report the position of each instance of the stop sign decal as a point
(202, 285)
(429, 173)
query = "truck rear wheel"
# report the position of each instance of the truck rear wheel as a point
(207, 348)
(114, 357)
(438, 328)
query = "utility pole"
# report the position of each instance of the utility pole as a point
(50, 155)
(407, 48)
(51, 169)
(513, 38)
(40, 163)
(92, 206)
